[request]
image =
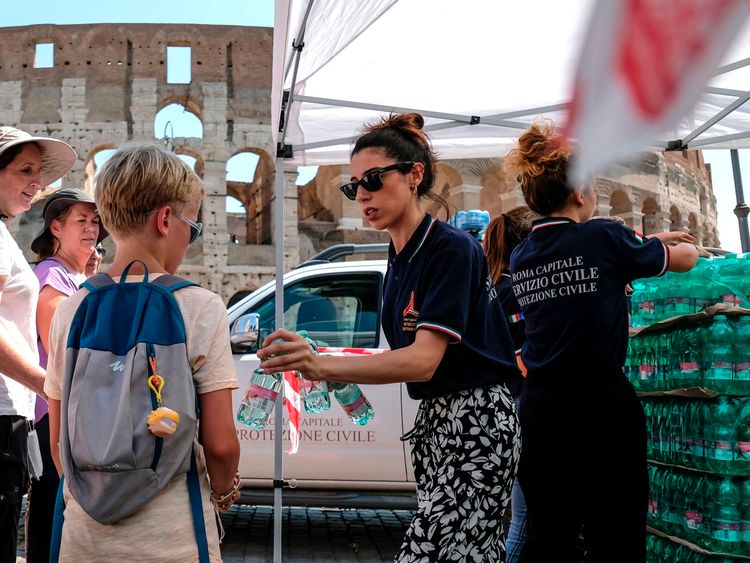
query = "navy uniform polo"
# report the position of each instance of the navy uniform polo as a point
(440, 281)
(569, 279)
(512, 312)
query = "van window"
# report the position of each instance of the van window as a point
(336, 310)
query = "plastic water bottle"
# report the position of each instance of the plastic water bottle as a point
(671, 517)
(647, 305)
(687, 350)
(742, 454)
(260, 397)
(730, 280)
(353, 401)
(663, 361)
(745, 514)
(647, 368)
(726, 535)
(742, 355)
(720, 355)
(695, 516)
(648, 412)
(314, 394)
(472, 221)
(723, 435)
(693, 440)
(676, 424)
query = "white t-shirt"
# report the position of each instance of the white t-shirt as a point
(18, 298)
(161, 531)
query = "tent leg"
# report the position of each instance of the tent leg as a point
(279, 412)
(742, 208)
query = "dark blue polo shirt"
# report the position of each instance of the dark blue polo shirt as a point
(569, 279)
(440, 281)
(512, 312)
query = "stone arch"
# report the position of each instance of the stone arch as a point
(199, 165)
(620, 205)
(94, 160)
(499, 192)
(650, 212)
(256, 196)
(178, 118)
(446, 179)
(675, 219)
(694, 227)
(238, 296)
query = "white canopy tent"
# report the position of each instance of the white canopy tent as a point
(498, 65)
(479, 71)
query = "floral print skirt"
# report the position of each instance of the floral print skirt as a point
(465, 450)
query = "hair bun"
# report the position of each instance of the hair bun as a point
(416, 119)
(539, 149)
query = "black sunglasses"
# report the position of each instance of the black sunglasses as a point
(195, 228)
(372, 181)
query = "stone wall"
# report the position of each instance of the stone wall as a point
(108, 82)
(105, 88)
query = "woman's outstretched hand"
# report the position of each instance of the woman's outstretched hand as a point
(294, 354)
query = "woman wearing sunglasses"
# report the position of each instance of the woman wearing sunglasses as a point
(64, 246)
(449, 343)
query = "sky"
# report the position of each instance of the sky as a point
(260, 13)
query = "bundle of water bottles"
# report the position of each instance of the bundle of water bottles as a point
(662, 550)
(711, 435)
(709, 511)
(473, 221)
(714, 354)
(716, 280)
(263, 389)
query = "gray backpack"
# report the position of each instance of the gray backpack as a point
(112, 463)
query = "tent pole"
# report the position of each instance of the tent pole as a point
(283, 151)
(278, 482)
(742, 208)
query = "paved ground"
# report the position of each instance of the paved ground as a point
(310, 535)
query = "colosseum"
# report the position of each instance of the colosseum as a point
(104, 85)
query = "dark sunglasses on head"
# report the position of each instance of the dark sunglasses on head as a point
(372, 181)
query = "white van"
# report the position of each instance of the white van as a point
(338, 463)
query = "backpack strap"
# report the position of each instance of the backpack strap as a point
(57, 524)
(196, 507)
(97, 282)
(172, 283)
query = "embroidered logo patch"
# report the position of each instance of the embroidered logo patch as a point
(409, 316)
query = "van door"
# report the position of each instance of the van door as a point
(337, 310)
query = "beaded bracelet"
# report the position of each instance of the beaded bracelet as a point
(225, 500)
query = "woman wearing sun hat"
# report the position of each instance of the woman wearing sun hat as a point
(64, 246)
(27, 164)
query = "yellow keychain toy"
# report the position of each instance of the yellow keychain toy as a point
(162, 421)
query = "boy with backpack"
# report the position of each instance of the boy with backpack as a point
(139, 379)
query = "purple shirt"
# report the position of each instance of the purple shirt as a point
(52, 273)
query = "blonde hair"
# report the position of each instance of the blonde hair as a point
(541, 162)
(138, 179)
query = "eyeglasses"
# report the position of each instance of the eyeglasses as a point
(372, 181)
(195, 228)
(101, 251)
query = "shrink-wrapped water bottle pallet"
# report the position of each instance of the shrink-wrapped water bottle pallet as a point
(689, 320)
(739, 474)
(694, 547)
(685, 392)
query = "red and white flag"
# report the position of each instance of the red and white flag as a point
(293, 397)
(293, 403)
(643, 66)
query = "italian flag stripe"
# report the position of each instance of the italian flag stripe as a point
(442, 328)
